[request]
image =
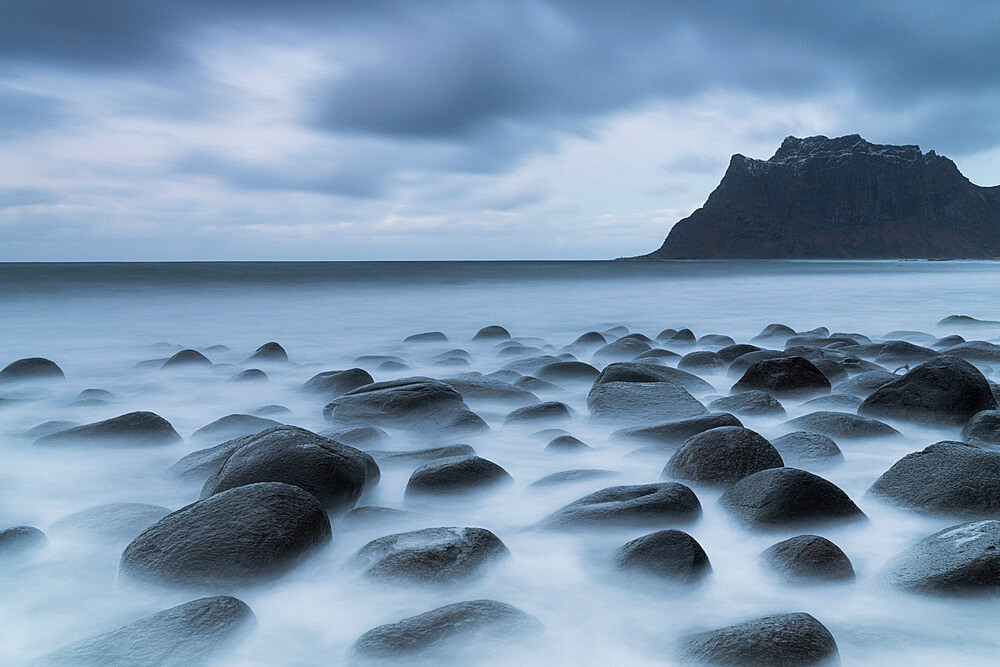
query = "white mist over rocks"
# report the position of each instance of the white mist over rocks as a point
(102, 323)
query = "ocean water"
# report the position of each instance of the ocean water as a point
(97, 321)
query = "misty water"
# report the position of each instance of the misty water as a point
(98, 321)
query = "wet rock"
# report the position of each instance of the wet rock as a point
(50, 427)
(110, 522)
(334, 473)
(534, 384)
(808, 450)
(682, 337)
(732, 352)
(966, 321)
(269, 352)
(456, 475)
(591, 338)
(944, 390)
(250, 375)
(188, 634)
(672, 555)
(479, 386)
(90, 394)
(568, 370)
(787, 497)
(567, 444)
(787, 377)
(833, 403)
(417, 403)
(531, 364)
(896, 352)
(337, 383)
(753, 402)
(19, 541)
(622, 349)
(716, 341)
(976, 351)
(272, 410)
(948, 478)
(660, 504)
(948, 341)
(638, 372)
(722, 456)
(420, 455)
(702, 360)
(427, 337)
(772, 331)
(491, 333)
(666, 334)
(430, 555)
(842, 426)
(32, 368)
(959, 560)
(739, 365)
(372, 360)
(918, 337)
(361, 437)
(676, 432)
(833, 370)
(187, 358)
(642, 403)
(245, 535)
(234, 426)
(463, 631)
(983, 428)
(863, 384)
(808, 559)
(657, 356)
(572, 476)
(782, 639)
(547, 411)
(133, 428)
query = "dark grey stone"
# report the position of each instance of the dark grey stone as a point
(429, 555)
(807, 450)
(842, 425)
(808, 559)
(672, 555)
(787, 497)
(753, 402)
(234, 426)
(957, 561)
(660, 504)
(642, 403)
(722, 456)
(133, 428)
(453, 475)
(782, 639)
(791, 377)
(32, 368)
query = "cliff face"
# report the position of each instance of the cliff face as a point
(840, 198)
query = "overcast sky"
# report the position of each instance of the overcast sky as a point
(308, 129)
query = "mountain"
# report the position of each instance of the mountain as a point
(842, 198)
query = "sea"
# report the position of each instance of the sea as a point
(100, 321)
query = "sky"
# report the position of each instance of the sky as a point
(365, 130)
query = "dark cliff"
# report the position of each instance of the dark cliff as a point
(840, 198)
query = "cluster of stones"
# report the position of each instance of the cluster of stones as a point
(270, 490)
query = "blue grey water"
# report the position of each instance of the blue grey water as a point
(98, 320)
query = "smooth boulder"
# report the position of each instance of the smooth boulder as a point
(31, 368)
(429, 555)
(670, 555)
(983, 428)
(784, 377)
(785, 498)
(133, 428)
(842, 425)
(752, 403)
(456, 475)
(722, 456)
(644, 372)
(659, 504)
(782, 639)
(337, 383)
(642, 402)
(807, 559)
(269, 352)
(808, 450)
(234, 426)
(959, 560)
(676, 432)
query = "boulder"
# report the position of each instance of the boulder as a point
(717, 341)
(660, 504)
(540, 412)
(978, 351)
(418, 403)
(899, 352)
(834, 371)
(110, 522)
(385, 457)
(531, 364)
(462, 632)
(833, 403)
(674, 433)
(948, 341)
(642, 402)
(493, 332)
(966, 321)
(732, 352)
(460, 474)
(622, 349)
(479, 386)
(591, 338)
(807, 450)
(842, 426)
(20, 541)
(189, 634)
(333, 473)
(567, 444)
(187, 358)
(358, 436)
(241, 536)
(657, 355)
(640, 372)
(944, 390)
(337, 383)
(269, 352)
(702, 360)
(957, 561)
(948, 478)
(785, 498)
(572, 476)
(50, 427)
(426, 337)
(722, 456)
(272, 409)
(782, 639)
(983, 428)
(786, 377)
(739, 365)
(133, 428)
(32, 368)
(807, 559)
(567, 371)
(234, 426)
(671, 555)
(250, 375)
(429, 555)
(863, 384)
(682, 337)
(753, 402)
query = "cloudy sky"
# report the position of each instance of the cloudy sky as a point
(308, 129)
